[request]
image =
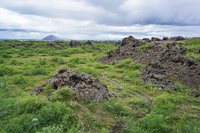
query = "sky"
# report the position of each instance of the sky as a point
(99, 19)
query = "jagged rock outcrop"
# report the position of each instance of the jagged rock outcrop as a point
(81, 83)
(155, 39)
(178, 38)
(119, 43)
(146, 39)
(166, 62)
(133, 41)
(165, 38)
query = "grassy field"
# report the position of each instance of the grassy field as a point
(26, 67)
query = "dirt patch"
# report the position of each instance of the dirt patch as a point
(166, 61)
(81, 83)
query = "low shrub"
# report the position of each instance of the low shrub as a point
(69, 119)
(166, 104)
(23, 123)
(70, 51)
(48, 89)
(2, 60)
(93, 123)
(63, 94)
(31, 104)
(19, 80)
(151, 123)
(6, 56)
(185, 126)
(77, 60)
(16, 62)
(43, 62)
(90, 71)
(52, 113)
(143, 47)
(58, 60)
(116, 107)
(8, 70)
(131, 76)
(180, 87)
(194, 56)
(100, 66)
(125, 63)
(35, 71)
(139, 103)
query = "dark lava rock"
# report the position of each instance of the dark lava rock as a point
(155, 39)
(166, 63)
(131, 40)
(165, 38)
(81, 83)
(76, 44)
(178, 38)
(119, 43)
(146, 39)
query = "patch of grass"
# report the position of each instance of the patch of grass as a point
(32, 71)
(30, 104)
(77, 60)
(139, 103)
(2, 60)
(63, 94)
(19, 80)
(90, 71)
(143, 47)
(20, 124)
(16, 62)
(8, 70)
(58, 60)
(118, 108)
(52, 113)
(152, 123)
(48, 89)
(125, 63)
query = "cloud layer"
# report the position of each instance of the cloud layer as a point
(94, 19)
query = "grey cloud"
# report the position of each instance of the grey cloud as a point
(112, 6)
(21, 30)
(115, 12)
(144, 12)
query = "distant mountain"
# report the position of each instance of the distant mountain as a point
(54, 38)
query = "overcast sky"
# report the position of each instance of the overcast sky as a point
(99, 19)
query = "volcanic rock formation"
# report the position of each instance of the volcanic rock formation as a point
(81, 83)
(166, 62)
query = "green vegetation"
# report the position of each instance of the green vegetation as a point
(192, 48)
(143, 47)
(26, 67)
